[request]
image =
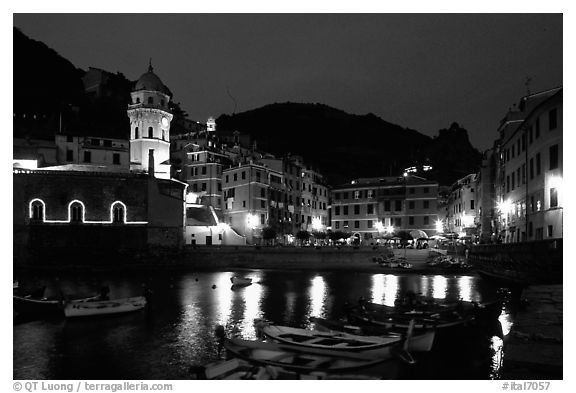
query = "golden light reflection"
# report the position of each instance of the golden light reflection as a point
(252, 297)
(497, 346)
(317, 295)
(506, 321)
(390, 289)
(378, 288)
(464, 285)
(223, 297)
(439, 287)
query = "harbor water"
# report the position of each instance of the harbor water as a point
(176, 330)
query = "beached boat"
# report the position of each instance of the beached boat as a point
(338, 341)
(104, 307)
(403, 320)
(420, 341)
(309, 360)
(240, 281)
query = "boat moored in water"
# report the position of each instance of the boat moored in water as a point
(104, 307)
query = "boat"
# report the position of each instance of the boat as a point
(237, 369)
(337, 341)
(240, 281)
(40, 306)
(310, 360)
(28, 305)
(421, 341)
(103, 307)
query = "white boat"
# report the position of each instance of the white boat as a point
(338, 341)
(240, 281)
(104, 307)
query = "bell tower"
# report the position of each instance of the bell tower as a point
(150, 125)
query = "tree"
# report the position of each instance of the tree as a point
(303, 236)
(268, 233)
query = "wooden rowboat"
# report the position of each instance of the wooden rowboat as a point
(420, 341)
(337, 341)
(104, 307)
(308, 360)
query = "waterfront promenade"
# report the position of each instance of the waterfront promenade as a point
(225, 258)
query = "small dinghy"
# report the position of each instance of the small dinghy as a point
(421, 341)
(337, 341)
(309, 360)
(104, 307)
(240, 281)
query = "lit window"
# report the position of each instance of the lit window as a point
(37, 211)
(118, 214)
(76, 212)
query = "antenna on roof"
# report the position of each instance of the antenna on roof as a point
(233, 99)
(150, 69)
(527, 84)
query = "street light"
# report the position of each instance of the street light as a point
(317, 224)
(379, 226)
(252, 221)
(439, 226)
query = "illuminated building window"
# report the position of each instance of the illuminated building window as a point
(550, 231)
(345, 209)
(370, 194)
(37, 211)
(76, 212)
(356, 224)
(118, 214)
(553, 197)
(356, 194)
(136, 134)
(370, 223)
(345, 224)
(337, 224)
(150, 132)
(356, 209)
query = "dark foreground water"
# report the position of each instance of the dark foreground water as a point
(177, 330)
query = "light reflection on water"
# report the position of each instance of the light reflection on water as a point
(179, 327)
(439, 287)
(317, 298)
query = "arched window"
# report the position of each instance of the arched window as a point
(138, 100)
(163, 135)
(118, 214)
(37, 211)
(162, 102)
(150, 132)
(150, 100)
(76, 212)
(136, 136)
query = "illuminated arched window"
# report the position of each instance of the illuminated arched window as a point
(118, 214)
(138, 100)
(76, 212)
(37, 211)
(150, 132)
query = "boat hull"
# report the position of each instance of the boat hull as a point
(107, 307)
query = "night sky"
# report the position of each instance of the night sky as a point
(418, 71)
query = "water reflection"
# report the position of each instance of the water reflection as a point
(252, 298)
(439, 287)
(384, 288)
(466, 289)
(497, 346)
(317, 298)
(506, 321)
(223, 296)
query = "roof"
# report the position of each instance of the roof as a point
(151, 81)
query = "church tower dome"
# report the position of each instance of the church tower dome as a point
(150, 120)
